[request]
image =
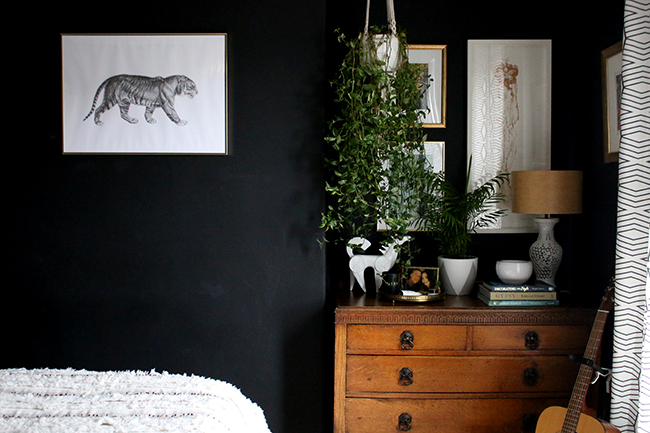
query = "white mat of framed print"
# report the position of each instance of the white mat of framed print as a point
(434, 153)
(509, 116)
(432, 60)
(145, 94)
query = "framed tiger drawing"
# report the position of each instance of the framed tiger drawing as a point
(176, 84)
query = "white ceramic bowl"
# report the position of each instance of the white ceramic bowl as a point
(514, 271)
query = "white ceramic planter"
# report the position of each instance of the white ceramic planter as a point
(457, 276)
(388, 51)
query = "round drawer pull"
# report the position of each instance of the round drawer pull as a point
(529, 422)
(406, 376)
(406, 340)
(531, 376)
(532, 340)
(404, 422)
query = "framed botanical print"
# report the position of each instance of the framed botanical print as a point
(508, 117)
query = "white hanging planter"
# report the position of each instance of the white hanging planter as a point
(457, 276)
(388, 51)
(387, 45)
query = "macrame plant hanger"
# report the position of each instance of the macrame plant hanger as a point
(390, 11)
(387, 45)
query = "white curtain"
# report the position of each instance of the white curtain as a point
(630, 406)
(644, 398)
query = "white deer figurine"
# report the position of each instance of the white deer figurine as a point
(380, 263)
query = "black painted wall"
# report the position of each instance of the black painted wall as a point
(210, 265)
(204, 265)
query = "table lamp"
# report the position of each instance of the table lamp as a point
(546, 192)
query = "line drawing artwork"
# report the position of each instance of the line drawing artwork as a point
(506, 74)
(509, 117)
(150, 92)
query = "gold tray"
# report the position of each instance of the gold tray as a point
(413, 298)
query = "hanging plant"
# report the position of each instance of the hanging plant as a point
(376, 172)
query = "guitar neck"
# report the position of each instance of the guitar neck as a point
(584, 375)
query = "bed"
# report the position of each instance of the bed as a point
(49, 400)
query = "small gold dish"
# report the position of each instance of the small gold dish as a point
(434, 295)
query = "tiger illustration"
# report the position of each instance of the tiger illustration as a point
(149, 92)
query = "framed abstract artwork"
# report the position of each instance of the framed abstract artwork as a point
(432, 60)
(508, 116)
(611, 70)
(144, 94)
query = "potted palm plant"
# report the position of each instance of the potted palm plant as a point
(375, 174)
(451, 217)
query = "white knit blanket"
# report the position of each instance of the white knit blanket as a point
(48, 401)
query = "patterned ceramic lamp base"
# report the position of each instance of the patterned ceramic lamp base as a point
(545, 252)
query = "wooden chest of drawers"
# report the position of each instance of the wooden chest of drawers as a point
(456, 366)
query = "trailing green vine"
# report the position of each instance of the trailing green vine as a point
(376, 173)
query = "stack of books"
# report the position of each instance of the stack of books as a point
(497, 294)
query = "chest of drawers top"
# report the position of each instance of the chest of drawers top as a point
(369, 309)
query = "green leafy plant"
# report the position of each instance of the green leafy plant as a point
(452, 216)
(376, 174)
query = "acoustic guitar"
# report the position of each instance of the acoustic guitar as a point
(557, 419)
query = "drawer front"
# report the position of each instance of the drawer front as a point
(447, 374)
(444, 416)
(571, 339)
(406, 338)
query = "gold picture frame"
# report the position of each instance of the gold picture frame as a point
(416, 284)
(421, 278)
(611, 68)
(433, 61)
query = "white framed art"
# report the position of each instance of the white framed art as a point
(144, 93)
(434, 154)
(508, 116)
